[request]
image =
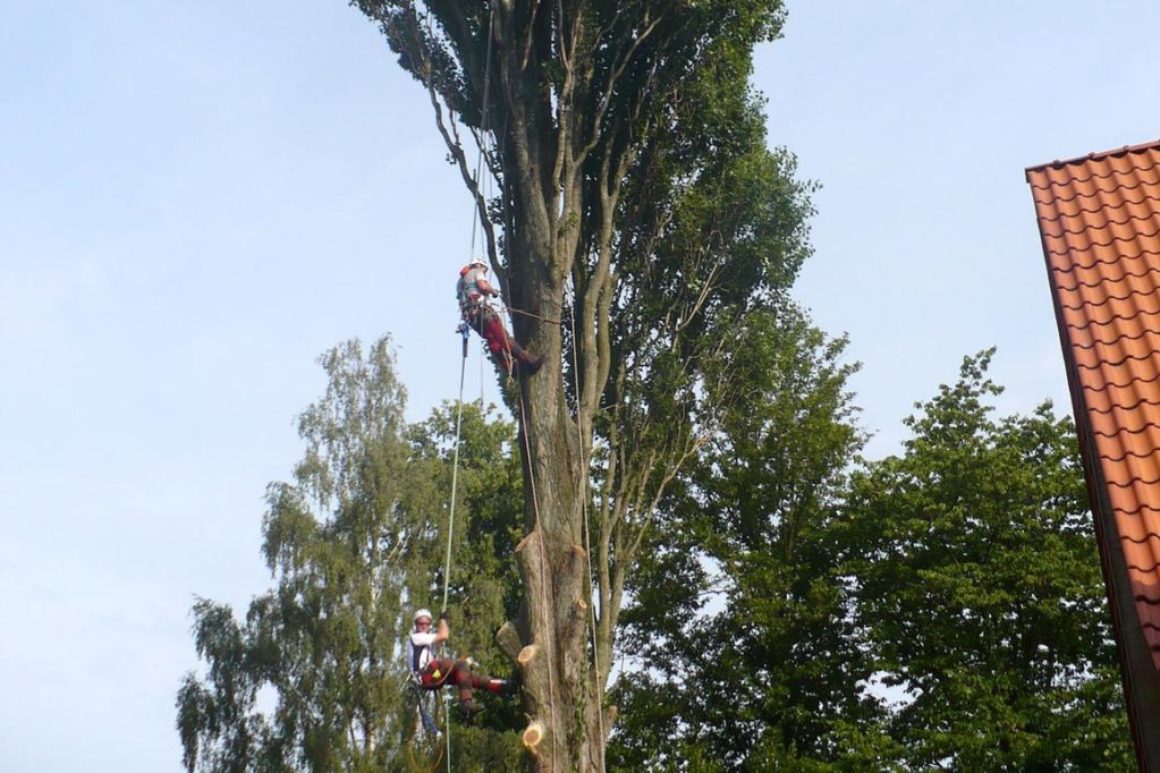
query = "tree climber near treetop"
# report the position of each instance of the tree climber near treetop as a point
(473, 290)
(432, 672)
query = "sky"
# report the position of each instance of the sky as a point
(196, 200)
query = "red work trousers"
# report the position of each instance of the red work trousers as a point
(488, 324)
(443, 671)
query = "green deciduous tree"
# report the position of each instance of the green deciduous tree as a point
(979, 586)
(764, 674)
(942, 608)
(313, 677)
(640, 217)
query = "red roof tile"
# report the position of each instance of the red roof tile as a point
(1099, 218)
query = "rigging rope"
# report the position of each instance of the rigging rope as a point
(513, 310)
(483, 128)
(476, 222)
(451, 527)
(454, 475)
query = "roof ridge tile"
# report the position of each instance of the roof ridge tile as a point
(1120, 151)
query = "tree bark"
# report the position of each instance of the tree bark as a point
(563, 96)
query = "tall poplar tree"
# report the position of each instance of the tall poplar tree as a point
(638, 218)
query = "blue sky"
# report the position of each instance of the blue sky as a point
(197, 200)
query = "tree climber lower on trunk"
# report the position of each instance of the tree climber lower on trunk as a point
(433, 672)
(473, 290)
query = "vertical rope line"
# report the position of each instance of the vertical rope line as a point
(447, 722)
(536, 515)
(477, 219)
(451, 514)
(454, 485)
(450, 532)
(587, 533)
(543, 569)
(475, 222)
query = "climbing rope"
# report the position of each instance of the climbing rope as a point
(454, 473)
(463, 328)
(512, 310)
(451, 522)
(476, 224)
(483, 127)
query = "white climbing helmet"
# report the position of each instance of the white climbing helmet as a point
(422, 613)
(473, 263)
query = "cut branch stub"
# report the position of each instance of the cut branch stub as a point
(508, 639)
(533, 735)
(527, 655)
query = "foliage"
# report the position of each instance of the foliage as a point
(760, 676)
(938, 609)
(644, 224)
(313, 678)
(979, 586)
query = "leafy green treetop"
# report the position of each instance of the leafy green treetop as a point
(979, 587)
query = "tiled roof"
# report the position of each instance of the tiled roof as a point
(1099, 218)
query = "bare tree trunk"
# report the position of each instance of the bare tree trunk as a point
(553, 561)
(561, 97)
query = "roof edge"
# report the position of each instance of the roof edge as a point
(1094, 156)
